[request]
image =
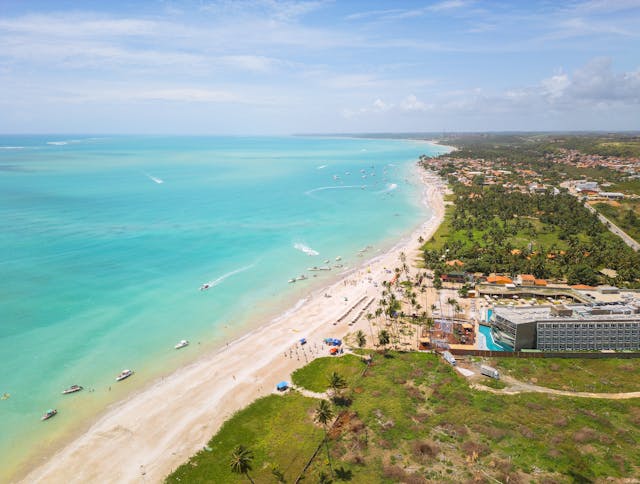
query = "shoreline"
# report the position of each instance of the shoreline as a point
(159, 427)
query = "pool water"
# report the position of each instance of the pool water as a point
(490, 342)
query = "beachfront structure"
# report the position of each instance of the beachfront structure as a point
(612, 195)
(577, 327)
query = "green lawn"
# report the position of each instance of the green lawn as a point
(278, 429)
(601, 376)
(315, 375)
(443, 233)
(413, 419)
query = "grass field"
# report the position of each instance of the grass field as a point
(279, 429)
(601, 376)
(315, 375)
(413, 419)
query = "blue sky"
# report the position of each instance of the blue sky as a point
(279, 67)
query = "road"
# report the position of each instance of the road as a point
(615, 229)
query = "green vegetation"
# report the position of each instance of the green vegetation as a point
(413, 419)
(598, 375)
(268, 426)
(625, 215)
(316, 376)
(494, 230)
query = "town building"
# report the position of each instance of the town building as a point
(576, 327)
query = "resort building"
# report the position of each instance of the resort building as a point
(575, 327)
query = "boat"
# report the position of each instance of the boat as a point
(327, 261)
(291, 281)
(205, 287)
(182, 344)
(72, 389)
(321, 268)
(301, 278)
(52, 412)
(338, 258)
(124, 374)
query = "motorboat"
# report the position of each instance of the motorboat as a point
(291, 281)
(301, 278)
(204, 287)
(327, 261)
(72, 389)
(52, 412)
(338, 258)
(182, 344)
(124, 374)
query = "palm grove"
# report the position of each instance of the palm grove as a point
(492, 229)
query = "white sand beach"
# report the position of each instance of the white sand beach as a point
(146, 436)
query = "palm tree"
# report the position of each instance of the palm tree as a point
(384, 338)
(241, 459)
(324, 415)
(361, 339)
(336, 383)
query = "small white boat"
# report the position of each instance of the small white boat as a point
(291, 281)
(124, 374)
(52, 412)
(182, 344)
(205, 286)
(338, 258)
(72, 389)
(301, 278)
(327, 261)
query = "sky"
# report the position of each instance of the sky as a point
(318, 66)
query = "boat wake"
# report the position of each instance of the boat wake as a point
(321, 167)
(390, 187)
(305, 249)
(319, 189)
(155, 179)
(220, 279)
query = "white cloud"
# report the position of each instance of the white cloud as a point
(412, 103)
(449, 5)
(593, 87)
(555, 86)
(281, 10)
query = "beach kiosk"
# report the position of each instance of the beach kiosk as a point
(282, 386)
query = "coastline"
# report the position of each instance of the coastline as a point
(159, 427)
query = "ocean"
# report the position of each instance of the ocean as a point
(106, 241)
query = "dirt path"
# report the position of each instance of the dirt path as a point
(517, 386)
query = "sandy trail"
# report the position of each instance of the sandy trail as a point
(146, 436)
(517, 386)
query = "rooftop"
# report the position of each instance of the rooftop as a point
(579, 312)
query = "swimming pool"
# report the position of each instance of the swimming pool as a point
(489, 342)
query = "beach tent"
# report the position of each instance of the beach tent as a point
(333, 351)
(303, 341)
(282, 386)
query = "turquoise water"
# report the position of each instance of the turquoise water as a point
(491, 344)
(105, 242)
